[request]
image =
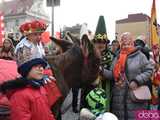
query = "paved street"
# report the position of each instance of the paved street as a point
(69, 115)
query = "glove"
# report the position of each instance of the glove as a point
(48, 79)
(133, 85)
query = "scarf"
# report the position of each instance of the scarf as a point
(121, 61)
(33, 82)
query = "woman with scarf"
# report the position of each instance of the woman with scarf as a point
(130, 69)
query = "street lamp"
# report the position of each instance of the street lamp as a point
(53, 3)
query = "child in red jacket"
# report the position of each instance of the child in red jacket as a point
(30, 98)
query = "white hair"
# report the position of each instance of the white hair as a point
(126, 34)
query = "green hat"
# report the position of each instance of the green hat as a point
(101, 34)
(97, 101)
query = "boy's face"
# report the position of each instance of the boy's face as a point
(36, 72)
(115, 46)
(35, 37)
(100, 46)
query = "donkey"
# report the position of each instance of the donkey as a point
(79, 62)
(77, 66)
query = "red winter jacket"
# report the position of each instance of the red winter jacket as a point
(30, 104)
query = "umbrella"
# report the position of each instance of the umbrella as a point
(8, 70)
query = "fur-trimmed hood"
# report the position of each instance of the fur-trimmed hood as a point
(13, 84)
(19, 83)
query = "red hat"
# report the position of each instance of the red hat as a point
(32, 27)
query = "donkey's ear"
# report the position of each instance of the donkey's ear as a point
(85, 37)
(72, 38)
(87, 43)
(64, 44)
(53, 39)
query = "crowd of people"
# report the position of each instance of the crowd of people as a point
(32, 95)
(125, 65)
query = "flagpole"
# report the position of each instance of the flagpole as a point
(52, 17)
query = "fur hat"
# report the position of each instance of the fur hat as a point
(33, 27)
(24, 68)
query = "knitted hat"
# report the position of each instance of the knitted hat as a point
(97, 101)
(139, 42)
(33, 27)
(101, 34)
(24, 68)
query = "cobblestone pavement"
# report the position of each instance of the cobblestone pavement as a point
(69, 115)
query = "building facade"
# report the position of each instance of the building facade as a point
(17, 12)
(137, 24)
(75, 30)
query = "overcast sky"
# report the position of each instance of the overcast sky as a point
(71, 12)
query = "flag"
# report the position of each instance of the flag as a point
(155, 46)
(154, 28)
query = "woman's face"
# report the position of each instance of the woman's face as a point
(36, 72)
(126, 41)
(7, 43)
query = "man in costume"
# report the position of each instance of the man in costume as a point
(30, 46)
(101, 43)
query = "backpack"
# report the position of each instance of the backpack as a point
(97, 101)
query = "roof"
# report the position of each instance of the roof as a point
(139, 17)
(12, 8)
(73, 29)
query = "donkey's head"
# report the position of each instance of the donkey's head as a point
(78, 63)
(91, 61)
